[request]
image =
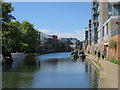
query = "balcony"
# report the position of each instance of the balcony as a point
(115, 3)
(94, 7)
(95, 13)
(95, 27)
(95, 21)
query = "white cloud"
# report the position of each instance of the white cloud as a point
(46, 31)
(79, 34)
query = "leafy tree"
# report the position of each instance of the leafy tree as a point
(6, 12)
(29, 37)
(11, 37)
(6, 17)
(16, 36)
(62, 45)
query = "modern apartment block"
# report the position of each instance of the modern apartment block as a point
(105, 27)
(89, 32)
(95, 22)
(86, 34)
(47, 43)
(85, 42)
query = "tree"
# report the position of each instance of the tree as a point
(6, 12)
(113, 44)
(64, 46)
(6, 18)
(11, 37)
(16, 36)
(29, 37)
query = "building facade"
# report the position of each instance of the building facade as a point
(89, 33)
(74, 43)
(55, 41)
(47, 43)
(104, 28)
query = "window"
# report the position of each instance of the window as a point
(115, 10)
(107, 29)
(103, 31)
(109, 10)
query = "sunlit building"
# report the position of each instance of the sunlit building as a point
(105, 27)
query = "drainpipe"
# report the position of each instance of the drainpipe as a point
(118, 22)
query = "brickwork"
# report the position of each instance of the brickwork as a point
(101, 46)
(116, 52)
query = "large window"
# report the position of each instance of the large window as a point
(98, 36)
(106, 29)
(113, 10)
(109, 10)
(103, 31)
(116, 11)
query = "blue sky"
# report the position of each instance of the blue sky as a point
(66, 19)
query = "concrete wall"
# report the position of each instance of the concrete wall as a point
(103, 17)
(17, 58)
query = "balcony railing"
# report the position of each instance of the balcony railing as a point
(95, 13)
(115, 3)
(95, 21)
(94, 7)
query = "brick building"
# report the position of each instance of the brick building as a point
(55, 40)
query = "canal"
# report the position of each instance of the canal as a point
(55, 70)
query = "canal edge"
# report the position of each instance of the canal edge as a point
(98, 67)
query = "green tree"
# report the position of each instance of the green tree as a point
(29, 37)
(11, 37)
(6, 12)
(6, 18)
(62, 45)
(16, 36)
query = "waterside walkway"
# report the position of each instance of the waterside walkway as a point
(108, 72)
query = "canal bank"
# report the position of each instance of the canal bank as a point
(14, 56)
(34, 54)
(108, 72)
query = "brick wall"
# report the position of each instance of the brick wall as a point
(113, 52)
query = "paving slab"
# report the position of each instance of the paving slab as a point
(108, 72)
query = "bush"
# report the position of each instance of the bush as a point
(113, 60)
(113, 44)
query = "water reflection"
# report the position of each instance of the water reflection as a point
(41, 72)
(13, 77)
(93, 74)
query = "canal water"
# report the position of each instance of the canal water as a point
(55, 70)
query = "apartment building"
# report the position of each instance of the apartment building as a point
(55, 40)
(105, 27)
(85, 42)
(89, 32)
(47, 43)
(95, 22)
